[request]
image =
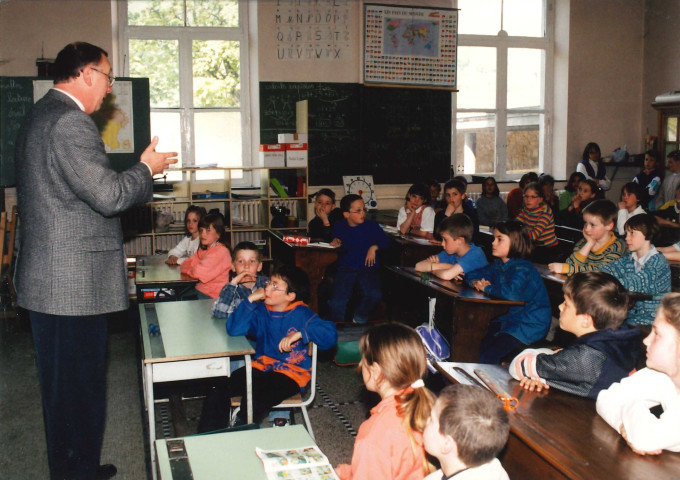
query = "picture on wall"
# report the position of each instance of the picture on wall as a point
(410, 46)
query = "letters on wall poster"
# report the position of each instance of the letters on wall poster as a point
(313, 30)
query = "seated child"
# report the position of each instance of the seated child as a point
(459, 254)
(490, 206)
(570, 191)
(645, 270)
(389, 445)
(515, 199)
(358, 262)
(246, 266)
(625, 406)
(540, 222)
(631, 197)
(599, 245)
(283, 325)
(605, 350)
(547, 185)
(572, 215)
(321, 226)
(513, 278)
(189, 244)
(416, 217)
(650, 178)
(435, 190)
(211, 263)
(456, 202)
(467, 429)
(668, 214)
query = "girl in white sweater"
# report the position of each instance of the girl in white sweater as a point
(625, 406)
(189, 244)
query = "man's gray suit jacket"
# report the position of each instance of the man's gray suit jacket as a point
(71, 259)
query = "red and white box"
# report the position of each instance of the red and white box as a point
(296, 239)
(293, 138)
(296, 154)
(273, 155)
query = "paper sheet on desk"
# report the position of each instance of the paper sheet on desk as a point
(321, 244)
(389, 229)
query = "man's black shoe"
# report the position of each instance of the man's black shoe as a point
(104, 472)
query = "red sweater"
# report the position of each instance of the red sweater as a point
(210, 267)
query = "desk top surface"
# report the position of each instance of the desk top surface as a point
(152, 269)
(232, 455)
(320, 246)
(187, 332)
(567, 431)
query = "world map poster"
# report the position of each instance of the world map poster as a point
(410, 46)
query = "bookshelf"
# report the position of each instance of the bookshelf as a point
(247, 209)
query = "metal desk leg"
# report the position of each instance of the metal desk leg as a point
(151, 417)
(249, 388)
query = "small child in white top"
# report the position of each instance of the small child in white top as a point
(626, 405)
(189, 244)
(416, 217)
(467, 429)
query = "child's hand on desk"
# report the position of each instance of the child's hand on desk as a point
(480, 285)
(336, 242)
(172, 260)
(639, 452)
(286, 344)
(555, 267)
(530, 384)
(370, 256)
(257, 295)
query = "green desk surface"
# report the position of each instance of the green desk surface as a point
(232, 455)
(152, 269)
(189, 331)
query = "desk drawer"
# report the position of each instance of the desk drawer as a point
(190, 369)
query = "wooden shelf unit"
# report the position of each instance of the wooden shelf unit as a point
(668, 121)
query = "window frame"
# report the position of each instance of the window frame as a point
(185, 36)
(502, 43)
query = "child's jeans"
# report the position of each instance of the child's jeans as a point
(496, 345)
(369, 286)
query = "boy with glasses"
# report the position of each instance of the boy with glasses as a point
(358, 263)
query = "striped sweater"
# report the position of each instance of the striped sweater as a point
(614, 249)
(541, 225)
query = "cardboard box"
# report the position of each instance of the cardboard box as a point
(273, 155)
(293, 138)
(296, 154)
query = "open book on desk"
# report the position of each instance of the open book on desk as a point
(297, 463)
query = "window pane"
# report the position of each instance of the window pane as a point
(476, 77)
(218, 140)
(479, 17)
(166, 126)
(158, 61)
(212, 13)
(523, 141)
(672, 129)
(216, 73)
(476, 142)
(525, 78)
(523, 17)
(156, 13)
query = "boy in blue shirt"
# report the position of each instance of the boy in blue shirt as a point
(283, 326)
(459, 255)
(358, 263)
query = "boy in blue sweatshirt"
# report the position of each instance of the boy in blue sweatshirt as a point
(605, 350)
(283, 326)
(358, 263)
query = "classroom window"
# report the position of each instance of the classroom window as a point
(501, 109)
(192, 51)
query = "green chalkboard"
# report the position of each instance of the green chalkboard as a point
(16, 99)
(396, 135)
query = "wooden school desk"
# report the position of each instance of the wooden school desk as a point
(313, 260)
(153, 273)
(558, 435)
(231, 455)
(191, 344)
(465, 316)
(407, 250)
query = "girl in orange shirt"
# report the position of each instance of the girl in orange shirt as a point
(389, 445)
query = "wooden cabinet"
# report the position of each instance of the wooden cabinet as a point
(246, 197)
(668, 115)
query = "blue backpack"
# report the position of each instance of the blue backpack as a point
(436, 346)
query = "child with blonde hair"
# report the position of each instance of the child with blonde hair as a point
(625, 405)
(389, 445)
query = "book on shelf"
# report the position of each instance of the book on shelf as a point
(296, 463)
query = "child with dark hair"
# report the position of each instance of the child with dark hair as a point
(632, 196)
(570, 190)
(668, 215)
(591, 166)
(515, 200)
(490, 206)
(645, 270)
(671, 181)
(321, 226)
(435, 191)
(456, 202)
(572, 216)
(189, 244)
(283, 325)
(358, 263)
(467, 429)
(547, 184)
(512, 277)
(416, 217)
(605, 350)
(650, 179)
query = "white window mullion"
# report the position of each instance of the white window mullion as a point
(186, 97)
(501, 106)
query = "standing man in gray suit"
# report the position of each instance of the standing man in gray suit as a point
(70, 269)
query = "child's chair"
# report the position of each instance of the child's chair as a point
(297, 400)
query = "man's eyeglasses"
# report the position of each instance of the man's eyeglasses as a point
(111, 78)
(275, 286)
